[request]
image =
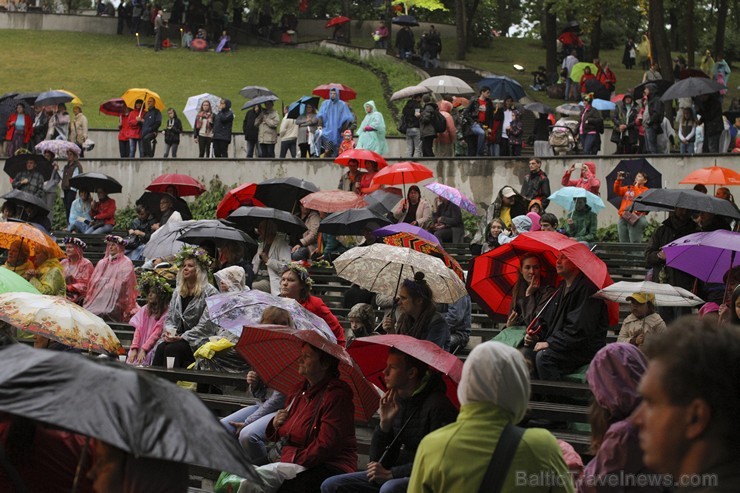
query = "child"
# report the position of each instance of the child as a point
(687, 131)
(149, 321)
(347, 144)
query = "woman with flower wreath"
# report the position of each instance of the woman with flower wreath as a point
(149, 321)
(77, 269)
(111, 292)
(186, 307)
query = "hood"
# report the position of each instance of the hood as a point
(445, 106)
(227, 102)
(535, 218)
(591, 167)
(613, 377)
(523, 223)
(372, 104)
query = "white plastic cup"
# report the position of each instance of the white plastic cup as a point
(122, 358)
(170, 362)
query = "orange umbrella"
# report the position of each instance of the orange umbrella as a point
(713, 175)
(11, 232)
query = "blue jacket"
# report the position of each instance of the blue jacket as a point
(152, 122)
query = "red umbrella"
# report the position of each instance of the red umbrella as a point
(363, 156)
(713, 175)
(346, 93)
(402, 174)
(414, 242)
(113, 107)
(237, 197)
(184, 184)
(617, 98)
(337, 21)
(273, 352)
(371, 354)
(332, 201)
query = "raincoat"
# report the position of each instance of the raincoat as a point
(334, 115)
(371, 132)
(77, 276)
(147, 333)
(585, 180)
(111, 292)
(632, 327)
(183, 321)
(278, 258)
(584, 225)
(50, 278)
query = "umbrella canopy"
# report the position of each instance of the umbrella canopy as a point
(206, 230)
(251, 92)
(405, 20)
(283, 193)
(393, 229)
(667, 198)
(192, 106)
(10, 282)
(113, 107)
(258, 101)
(383, 200)
(453, 195)
(579, 68)
(24, 199)
(408, 240)
(569, 109)
(165, 241)
(706, 256)
(237, 197)
(16, 164)
(602, 105)
(346, 93)
(233, 311)
(336, 21)
(691, 87)
(59, 319)
(713, 175)
(409, 91)
(539, 108)
(661, 86)
(52, 98)
(34, 238)
(665, 294)
(352, 222)
(381, 268)
(75, 99)
(298, 107)
(363, 157)
(249, 218)
(274, 353)
(127, 408)
(332, 201)
(184, 184)
(371, 354)
(631, 167)
(131, 95)
(447, 84)
(403, 173)
(58, 147)
(691, 72)
(503, 87)
(616, 98)
(460, 101)
(92, 181)
(598, 89)
(565, 198)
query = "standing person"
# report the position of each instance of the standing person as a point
(371, 133)
(222, 123)
(410, 114)
(159, 25)
(307, 124)
(444, 145)
(652, 74)
(607, 77)
(204, 129)
(380, 36)
(51, 186)
(334, 117)
(591, 126)
(652, 118)
(434, 46)
(78, 129)
(288, 136)
(514, 133)
(151, 122)
(508, 108)
(480, 112)
(709, 110)
(267, 123)
(567, 67)
(123, 133)
(251, 131)
(629, 56)
(687, 131)
(587, 76)
(586, 178)
(59, 124)
(172, 132)
(20, 130)
(426, 127)
(405, 43)
(134, 128)
(41, 124)
(625, 133)
(536, 184)
(631, 225)
(707, 63)
(111, 293)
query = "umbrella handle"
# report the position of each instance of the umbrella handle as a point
(80, 464)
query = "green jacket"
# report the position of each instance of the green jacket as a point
(454, 458)
(584, 225)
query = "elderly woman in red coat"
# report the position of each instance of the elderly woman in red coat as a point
(20, 130)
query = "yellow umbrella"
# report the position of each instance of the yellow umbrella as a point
(135, 93)
(75, 99)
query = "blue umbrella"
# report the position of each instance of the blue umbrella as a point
(502, 87)
(565, 198)
(297, 108)
(602, 104)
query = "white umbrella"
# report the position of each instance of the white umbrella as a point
(407, 92)
(447, 84)
(665, 294)
(192, 107)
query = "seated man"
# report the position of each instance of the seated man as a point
(457, 316)
(414, 406)
(572, 328)
(582, 223)
(111, 293)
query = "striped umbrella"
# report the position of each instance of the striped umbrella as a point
(408, 240)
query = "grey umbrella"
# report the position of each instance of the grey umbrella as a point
(410, 91)
(447, 84)
(251, 92)
(49, 98)
(213, 230)
(259, 100)
(23, 199)
(691, 87)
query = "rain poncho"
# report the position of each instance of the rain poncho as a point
(77, 276)
(334, 115)
(233, 277)
(49, 278)
(523, 225)
(111, 292)
(148, 331)
(371, 132)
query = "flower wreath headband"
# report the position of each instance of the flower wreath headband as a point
(68, 240)
(301, 272)
(152, 280)
(196, 253)
(116, 239)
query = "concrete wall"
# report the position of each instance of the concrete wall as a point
(58, 22)
(363, 29)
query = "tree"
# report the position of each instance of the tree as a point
(661, 50)
(462, 30)
(719, 37)
(420, 4)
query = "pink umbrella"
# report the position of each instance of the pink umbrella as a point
(332, 201)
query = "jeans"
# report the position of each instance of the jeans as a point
(148, 143)
(568, 82)
(253, 436)
(358, 482)
(288, 145)
(220, 148)
(494, 149)
(137, 253)
(591, 144)
(430, 60)
(631, 233)
(651, 140)
(167, 148)
(132, 143)
(404, 54)
(687, 148)
(252, 148)
(301, 254)
(413, 142)
(480, 136)
(267, 150)
(124, 148)
(90, 229)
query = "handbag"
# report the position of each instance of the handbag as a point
(630, 217)
(503, 456)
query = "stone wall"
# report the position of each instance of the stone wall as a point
(58, 22)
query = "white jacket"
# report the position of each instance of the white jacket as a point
(278, 258)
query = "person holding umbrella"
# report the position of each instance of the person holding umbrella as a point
(267, 123)
(111, 294)
(19, 257)
(414, 209)
(150, 123)
(204, 129)
(631, 224)
(405, 42)
(273, 254)
(532, 291)
(30, 180)
(78, 128)
(250, 129)
(133, 124)
(20, 130)
(47, 275)
(307, 124)
(77, 269)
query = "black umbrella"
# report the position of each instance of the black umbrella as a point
(8, 95)
(666, 198)
(540, 108)
(142, 414)
(661, 86)
(250, 92)
(23, 199)
(405, 20)
(283, 193)
(352, 222)
(249, 218)
(16, 164)
(383, 201)
(631, 167)
(151, 201)
(210, 230)
(92, 181)
(600, 91)
(690, 88)
(49, 98)
(28, 97)
(298, 107)
(259, 100)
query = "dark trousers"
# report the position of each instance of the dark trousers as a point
(267, 150)
(179, 349)
(551, 365)
(204, 146)
(304, 150)
(124, 148)
(147, 145)
(220, 148)
(288, 145)
(69, 197)
(309, 481)
(252, 148)
(427, 146)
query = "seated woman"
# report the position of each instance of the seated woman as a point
(531, 292)
(77, 269)
(493, 230)
(167, 211)
(149, 321)
(273, 254)
(643, 322)
(414, 209)
(306, 245)
(447, 221)
(19, 258)
(419, 316)
(186, 307)
(139, 233)
(111, 293)
(366, 186)
(79, 212)
(48, 275)
(103, 213)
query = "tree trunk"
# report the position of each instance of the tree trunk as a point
(675, 36)
(551, 38)
(719, 39)
(390, 50)
(346, 13)
(462, 29)
(596, 38)
(469, 17)
(503, 17)
(690, 37)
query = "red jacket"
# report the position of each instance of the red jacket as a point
(329, 438)
(608, 78)
(316, 305)
(584, 78)
(105, 210)
(133, 127)
(27, 130)
(586, 180)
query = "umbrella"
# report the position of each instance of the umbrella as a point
(362, 156)
(460, 101)
(691, 87)
(10, 282)
(184, 184)
(565, 198)
(332, 201)
(667, 198)
(691, 72)
(602, 105)
(249, 218)
(598, 89)
(405, 20)
(661, 86)
(337, 21)
(36, 239)
(665, 294)
(75, 99)
(92, 181)
(409, 91)
(453, 195)
(579, 68)
(52, 98)
(251, 92)
(713, 175)
(371, 354)
(165, 242)
(616, 98)
(539, 108)
(192, 106)
(569, 109)
(283, 193)
(409, 240)
(298, 107)
(706, 256)
(572, 26)
(24, 199)
(447, 84)
(16, 164)
(274, 353)
(351, 222)
(237, 197)
(58, 147)
(202, 231)
(259, 100)
(113, 107)
(233, 311)
(142, 414)
(384, 200)
(393, 229)
(346, 93)
(131, 95)
(631, 167)
(59, 319)
(381, 268)
(402, 174)
(503, 87)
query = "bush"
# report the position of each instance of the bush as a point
(608, 233)
(204, 206)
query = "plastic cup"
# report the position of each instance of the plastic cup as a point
(122, 358)
(170, 362)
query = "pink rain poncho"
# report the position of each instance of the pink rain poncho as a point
(148, 330)
(111, 293)
(77, 276)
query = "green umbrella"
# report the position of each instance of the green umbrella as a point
(577, 71)
(11, 282)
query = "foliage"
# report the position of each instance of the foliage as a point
(421, 4)
(204, 206)
(652, 225)
(608, 233)
(471, 223)
(59, 215)
(124, 217)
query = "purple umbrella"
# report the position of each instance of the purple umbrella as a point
(405, 228)
(706, 256)
(453, 195)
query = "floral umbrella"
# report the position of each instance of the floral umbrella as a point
(408, 240)
(58, 147)
(332, 201)
(11, 231)
(453, 195)
(59, 319)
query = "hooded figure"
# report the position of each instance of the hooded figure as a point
(520, 224)
(222, 123)
(371, 132)
(586, 178)
(333, 115)
(111, 292)
(231, 279)
(493, 392)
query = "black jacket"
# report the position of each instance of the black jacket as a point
(152, 122)
(425, 412)
(412, 121)
(537, 186)
(622, 116)
(248, 127)
(592, 121)
(670, 230)
(222, 122)
(172, 135)
(405, 39)
(426, 120)
(654, 113)
(471, 112)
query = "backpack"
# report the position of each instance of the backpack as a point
(401, 124)
(439, 122)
